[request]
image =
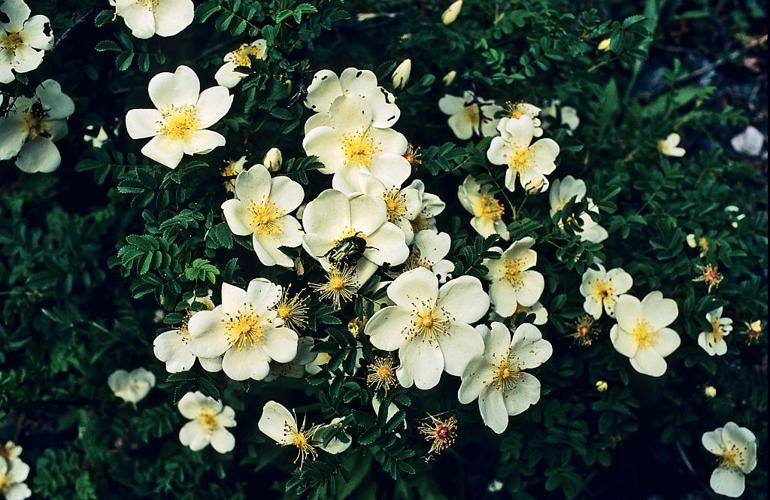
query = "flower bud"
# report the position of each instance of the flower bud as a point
(450, 14)
(273, 160)
(449, 78)
(602, 385)
(401, 74)
(604, 45)
(710, 391)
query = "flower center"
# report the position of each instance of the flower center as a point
(208, 420)
(35, 121)
(359, 148)
(472, 114)
(395, 203)
(716, 330)
(300, 440)
(603, 290)
(5, 482)
(643, 334)
(179, 122)
(732, 458)
(429, 321)
(242, 55)
(265, 218)
(506, 373)
(150, 4)
(520, 159)
(489, 208)
(11, 41)
(512, 269)
(244, 328)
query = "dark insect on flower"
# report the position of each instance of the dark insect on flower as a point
(299, 96)
(347, 252)
(47, 29)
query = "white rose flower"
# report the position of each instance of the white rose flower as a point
(562, 191)
(246, 329)
(670, 146)
(514, 282)
(528, 161)
(429, 249)
(280, 425)
(642, 332)
(361, 216)
(209, 420)
(539, 312)
(736, 448)
(431, 206)
(402, 205)
(469, 115)
(261, 209)
(430, 326)
(601, 289)
(713, 341)
(132, 386)
(10, 450)
(349, 144)
(23, 39)
(570, 118)
(520, 109)
(32, 125)
(749, 142)
(497, 376)
(228, 75)
(326, 87)
(146, 18)
(179, 124)
(13, 473)
(487, 211)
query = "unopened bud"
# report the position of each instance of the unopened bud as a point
(450, 14)
(710, 391)
(602, 386)
(273, 160)
(604, 45)
(449, 78)
(401, 74)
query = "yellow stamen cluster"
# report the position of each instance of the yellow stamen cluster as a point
(440, 433)
(472, 114)
(179, 122)
(208, 420)
(11, 41)
(711, 276)
(520, 159)
(382, 374)
(359, 148)
(643, 334)
(150, 4)
(340, 286)
(244, 328)
(302, 440)
(395, 204)
(292, 309)
(265, 218)
(506, 373)
(603, 290)
(243, 54)
(428, 322)
(488, 208)
(512, 271)
(732, 458)
(584, 333)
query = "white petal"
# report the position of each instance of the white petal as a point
(39, 155)
(649, 362)
(367, 214)
(387, 245)
(464, 298)
(322, 91)
(34, 33)
(414, 287)
(493, 411)
(164, 150)
(424, 361)
(222, 440)
(461, 344)
(473, 378)
(728, 482)
(172, 16)
(213, 105)
(281, 344)
(712, 441)
(275, 421)
(253, 184)
(623, 342)
(247, 363)
(203, 142)
(523, 395)
(194, 436)
(143, 123)
(388, 327)
(208, 334)
(174, 89)
(659, 312)
(286, 194)
(237, 217)
(137, 17)
(170, 348)
(628, 311)
(667, 341)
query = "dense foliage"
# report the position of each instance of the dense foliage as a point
(108, 251)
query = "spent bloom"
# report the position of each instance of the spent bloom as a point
(470, 115)
(147, 18)
(32, 125)
(569, 188)
(246, 329)
(487, 210)
(132, 386)
(440, 433)
(228, 74)
(712, 341)
(429, 326)
(209, 420)
(736, 449)
(601, 289)
(261, 208)
(23, 39)
(670, 146)
(497, 377)
(642, 332)
(528, 161)
(514, 282)
(179, 124)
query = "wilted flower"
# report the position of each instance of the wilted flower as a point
(713, 341)
(585, 332)
(382, 374)
(710, 275)
(339, 286)
(440, 433)
(292, 309)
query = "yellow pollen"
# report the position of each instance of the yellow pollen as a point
(487, 207)
(395, 203)
(11, 41)
(5, 482)
(517, 114)
(473, 114)
(265, 218)
(732, 458)
(150, 4)
(716, 330)
(603, 290)
(179, 122)
(337, 282)
(299, 440)
(208, 420)
(426, 319)
(512, 269)
(643, 334)
(520, 159)
(359, 148)
(242, 55)
(35, 123)
(506, 374)
(244, 328)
